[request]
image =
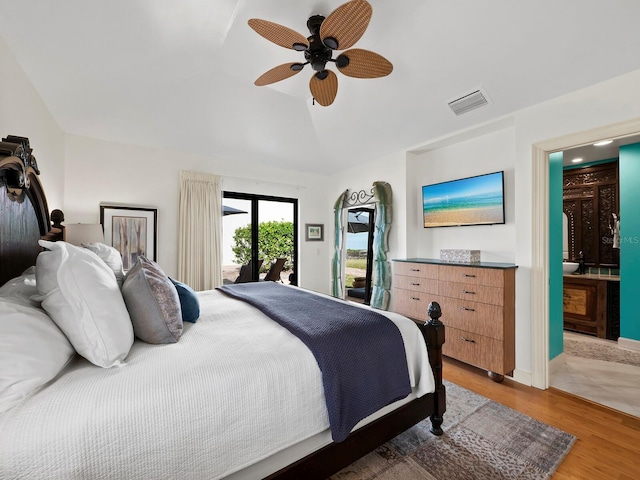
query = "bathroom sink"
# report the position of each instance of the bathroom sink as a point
(569, 267)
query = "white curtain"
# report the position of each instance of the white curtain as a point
(200, 230)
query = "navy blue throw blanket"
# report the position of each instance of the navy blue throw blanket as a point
(360, 352)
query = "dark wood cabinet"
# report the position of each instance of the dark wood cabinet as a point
(591, 306)
(590, 197)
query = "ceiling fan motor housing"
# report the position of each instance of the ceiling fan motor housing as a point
(318, 54)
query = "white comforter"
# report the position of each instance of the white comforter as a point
(235, 389)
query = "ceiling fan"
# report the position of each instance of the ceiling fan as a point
(340, 30)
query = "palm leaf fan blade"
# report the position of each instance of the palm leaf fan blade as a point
(346, 24)
(279, 34)
(363, 64)
(324, 91)
(276, 74)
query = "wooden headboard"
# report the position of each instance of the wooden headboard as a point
(24, 214)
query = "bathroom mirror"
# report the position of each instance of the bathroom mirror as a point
(565, 236)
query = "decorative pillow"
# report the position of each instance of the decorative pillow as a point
(80, 294)
(110, 256)
(33, 350)
(153, 303)
(189, 302)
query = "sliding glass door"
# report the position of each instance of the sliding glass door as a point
(260, 238)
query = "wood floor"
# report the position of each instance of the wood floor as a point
(608, 445)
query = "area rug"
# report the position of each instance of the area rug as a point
(601, 351)
(482, 440)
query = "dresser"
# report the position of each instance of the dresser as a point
(478, 307)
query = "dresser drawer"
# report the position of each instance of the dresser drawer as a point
(412, 304)
(471, 292)
(420, 270)
(416, 284)
(472, 275)
(483, 352)
(479, 318)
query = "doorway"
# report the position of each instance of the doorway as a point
(592, 365)
(260, 238)
(540, 272)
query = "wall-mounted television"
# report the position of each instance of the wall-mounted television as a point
(475, 200)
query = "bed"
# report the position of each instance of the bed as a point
(238, 396)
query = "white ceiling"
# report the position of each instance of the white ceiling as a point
(179, 75)
(594, 153)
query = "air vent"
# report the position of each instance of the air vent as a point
(468, 102)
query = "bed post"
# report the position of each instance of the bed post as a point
(433, 332)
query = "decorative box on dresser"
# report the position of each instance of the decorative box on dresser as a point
(478, 307)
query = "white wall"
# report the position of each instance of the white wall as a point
(23, 113)
(101, 171)
(390, 169)
(485, 154)
(505, 148)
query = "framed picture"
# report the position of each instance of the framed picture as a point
(130, 230)
(314, 232)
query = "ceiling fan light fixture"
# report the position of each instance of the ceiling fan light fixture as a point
(318, 65)
(330, 42)
(342, 61)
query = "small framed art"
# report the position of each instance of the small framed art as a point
(314, 232)
(130, 230)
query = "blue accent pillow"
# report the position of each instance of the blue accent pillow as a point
(188, 301)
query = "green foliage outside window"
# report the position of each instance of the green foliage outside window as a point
(275, 240)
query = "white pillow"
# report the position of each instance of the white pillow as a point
(80, 294)
(21, 289)
(110, 256)
(32, 351)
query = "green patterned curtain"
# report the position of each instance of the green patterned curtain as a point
(337, 289)
(381, 281)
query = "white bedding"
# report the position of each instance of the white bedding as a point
(185, 410)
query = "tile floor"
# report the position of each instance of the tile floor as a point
(612, 384)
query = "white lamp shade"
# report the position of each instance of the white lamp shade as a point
(79, 233)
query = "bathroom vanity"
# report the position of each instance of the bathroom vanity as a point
(591, 304)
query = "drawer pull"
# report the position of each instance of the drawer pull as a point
(415, 284)
(468, 309)
(415, 269)
(415, 298)
(468, 275)
(468, 292)
(470, 340)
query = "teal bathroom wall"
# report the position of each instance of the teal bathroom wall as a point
(555, 255)
(629, 240)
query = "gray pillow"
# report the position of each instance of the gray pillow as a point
(153, 303)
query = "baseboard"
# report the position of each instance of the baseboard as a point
(523, 377)
(629, 344)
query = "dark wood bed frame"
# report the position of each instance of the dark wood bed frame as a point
(24, 219)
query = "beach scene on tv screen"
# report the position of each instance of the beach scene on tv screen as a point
(468, 201)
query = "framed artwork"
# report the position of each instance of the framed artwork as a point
(314, 232)
(130, 230)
